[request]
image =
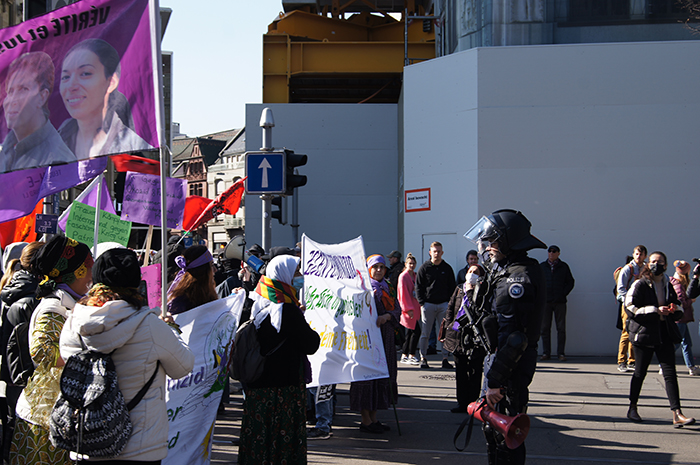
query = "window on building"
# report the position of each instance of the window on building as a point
(196, 189)
(599, 10)
(665, 9)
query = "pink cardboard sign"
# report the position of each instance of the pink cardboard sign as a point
(152, 275)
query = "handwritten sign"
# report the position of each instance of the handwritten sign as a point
(142, 199)
(152, 275)
(81, 226)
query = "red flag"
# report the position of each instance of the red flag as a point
(126, 162)
(21, 229)
(194, 206)
(227, 202)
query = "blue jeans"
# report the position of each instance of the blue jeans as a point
(324, 411)
(686, 344)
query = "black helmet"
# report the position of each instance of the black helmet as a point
(509, 227)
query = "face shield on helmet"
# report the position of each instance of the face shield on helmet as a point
(482, 234)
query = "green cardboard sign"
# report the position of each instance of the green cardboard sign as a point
(81, 226)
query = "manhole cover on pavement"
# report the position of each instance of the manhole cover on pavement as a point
(439, 377)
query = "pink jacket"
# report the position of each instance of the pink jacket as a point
(407, 299)
(685, 301)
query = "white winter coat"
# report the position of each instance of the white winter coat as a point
(141, 339)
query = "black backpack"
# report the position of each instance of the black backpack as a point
(17, 356)
(247, 363)
(90, 416)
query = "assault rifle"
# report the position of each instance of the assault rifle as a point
(476, 313)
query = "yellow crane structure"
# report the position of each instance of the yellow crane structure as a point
(325, 51)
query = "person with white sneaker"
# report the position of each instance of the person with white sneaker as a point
(410, 311)
(680, 283)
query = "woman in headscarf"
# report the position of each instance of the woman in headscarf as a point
(369, 396)
(273, 429)
(114, 319)
(66, 266)
(194, 283)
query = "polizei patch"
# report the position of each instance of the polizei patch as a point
(516, 290)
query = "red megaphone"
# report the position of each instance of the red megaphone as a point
(514, 429)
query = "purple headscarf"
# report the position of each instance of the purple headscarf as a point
(381, 288)
(182, 264)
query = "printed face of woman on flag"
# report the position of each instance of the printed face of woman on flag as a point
(24, 103)
(85, 87)
(89, 75)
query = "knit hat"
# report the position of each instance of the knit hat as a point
(682, 266)
(117, 268)
(63, 260)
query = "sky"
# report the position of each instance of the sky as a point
(217, 60)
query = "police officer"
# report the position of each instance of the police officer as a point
(514, 295)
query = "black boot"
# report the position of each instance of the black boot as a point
(633, 415)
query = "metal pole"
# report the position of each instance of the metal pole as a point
(295, 213)
(98, 205)
(405, 37)
(267, 227)
(267, 122)
(163, 235)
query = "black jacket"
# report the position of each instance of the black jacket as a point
(645, 325)
(434, 283)
(18, 303)
(560, 282)
(285, 365)
(519, 298)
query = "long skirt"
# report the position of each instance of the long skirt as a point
(31, 446)
(273, 429)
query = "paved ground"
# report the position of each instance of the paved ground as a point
(577, 411)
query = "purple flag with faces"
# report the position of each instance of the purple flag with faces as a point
(64, 114)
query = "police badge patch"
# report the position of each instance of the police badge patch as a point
(516, 290)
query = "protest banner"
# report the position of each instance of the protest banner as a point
(192, 401)
(340, 308)
(121, 38)
(142, 199)
(81, 226)
(151, 274)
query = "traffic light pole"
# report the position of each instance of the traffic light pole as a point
(267, 122)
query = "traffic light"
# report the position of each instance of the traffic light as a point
(281, 213)
(293, 160)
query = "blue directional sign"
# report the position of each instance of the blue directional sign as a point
(266, 172)
(45, 224)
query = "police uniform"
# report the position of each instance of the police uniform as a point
(518, 303)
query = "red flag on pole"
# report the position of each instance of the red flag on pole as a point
(21, 229)
(125, 162)
(227, 202)
(194, 206)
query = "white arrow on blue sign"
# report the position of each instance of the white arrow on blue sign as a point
(266, 172)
